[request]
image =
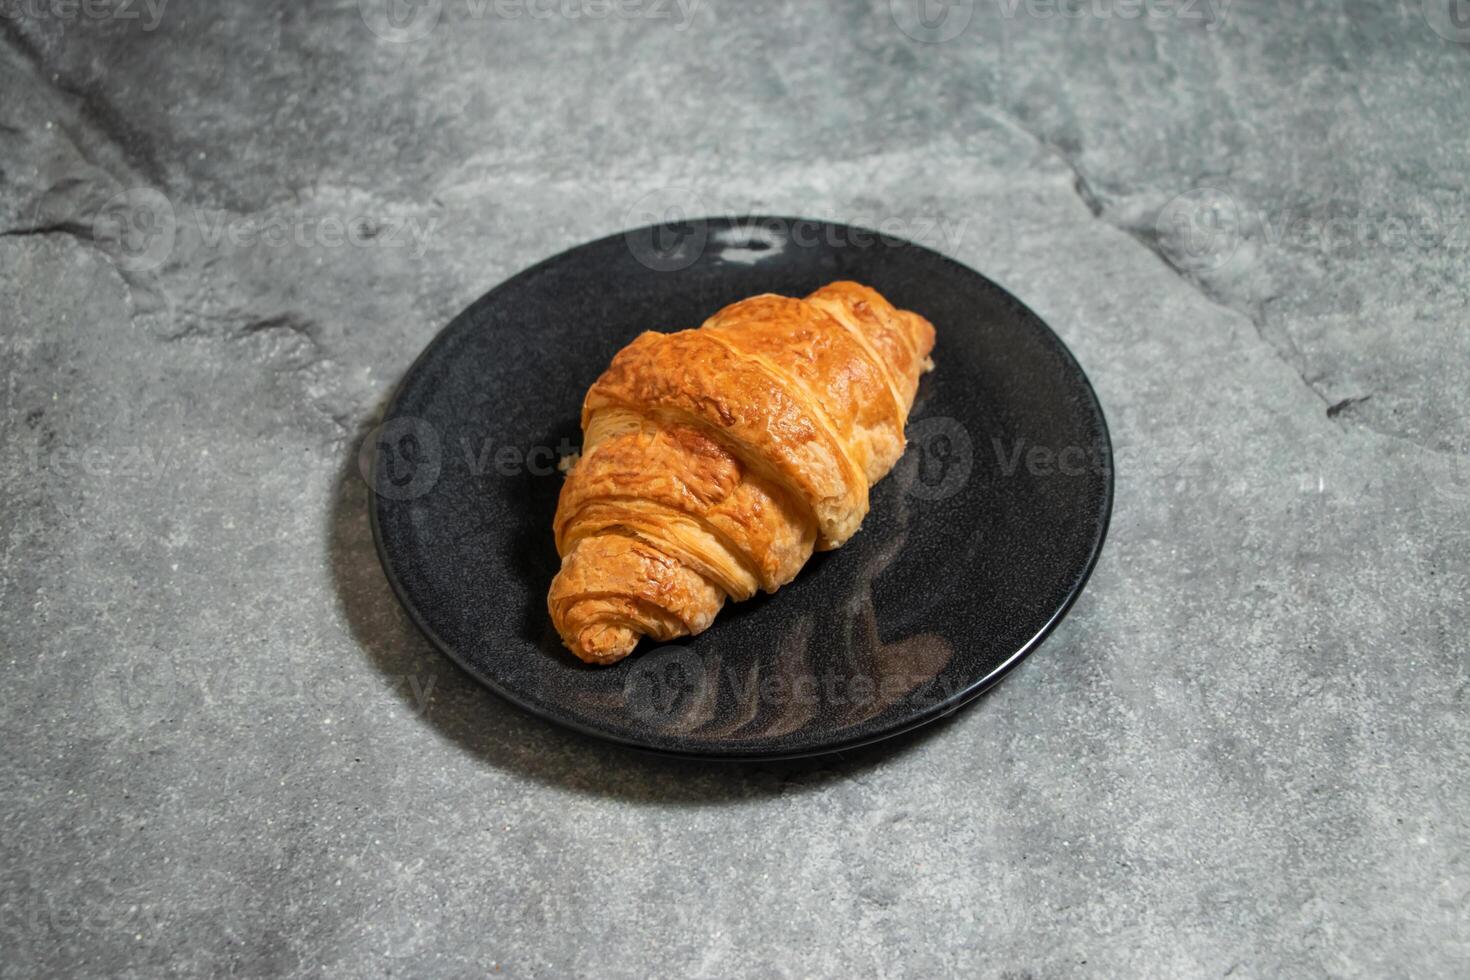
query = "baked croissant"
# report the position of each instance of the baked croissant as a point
(715, 460)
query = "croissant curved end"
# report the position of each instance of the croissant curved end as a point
(604, 643)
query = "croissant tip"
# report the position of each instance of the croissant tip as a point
(604, 644)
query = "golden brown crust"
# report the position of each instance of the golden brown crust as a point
(675, 485)
(715, 460)
(902, 339)
(773, 425)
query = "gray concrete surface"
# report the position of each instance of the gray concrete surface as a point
(227, 752)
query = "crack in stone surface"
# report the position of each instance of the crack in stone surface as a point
(1087, 193)
(1336, 409)
(290, 324)
(79, 230)
(93, 108)
(94, 131)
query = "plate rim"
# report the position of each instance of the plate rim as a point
(940, 709)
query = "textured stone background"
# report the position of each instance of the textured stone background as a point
(225, 751)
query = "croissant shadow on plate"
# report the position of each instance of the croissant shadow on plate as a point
(832, 662)
(535, 560)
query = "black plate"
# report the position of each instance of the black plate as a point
(976, 545)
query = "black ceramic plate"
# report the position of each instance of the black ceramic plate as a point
(975, 547)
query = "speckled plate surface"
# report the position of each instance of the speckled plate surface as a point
(975, 547)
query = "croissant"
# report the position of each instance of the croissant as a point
(715, 460)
